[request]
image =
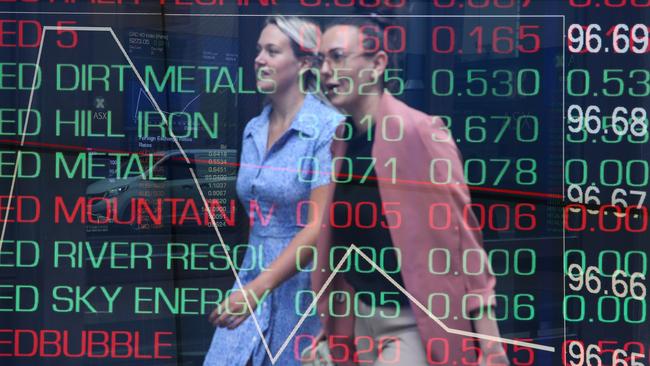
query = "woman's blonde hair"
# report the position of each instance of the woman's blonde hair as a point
(304, 37)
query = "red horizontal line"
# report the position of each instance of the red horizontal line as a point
(405, 181)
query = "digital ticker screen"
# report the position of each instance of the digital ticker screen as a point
(324, 182)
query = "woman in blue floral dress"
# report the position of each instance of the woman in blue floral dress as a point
(285, 165)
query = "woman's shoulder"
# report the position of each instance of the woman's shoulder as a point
(414, 121)
(323, 111)
(327, 117)
(431, 130)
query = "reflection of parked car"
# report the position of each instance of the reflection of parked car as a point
(217, 181)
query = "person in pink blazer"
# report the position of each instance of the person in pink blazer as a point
(403, 141)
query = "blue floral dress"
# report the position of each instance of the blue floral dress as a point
(277, 181)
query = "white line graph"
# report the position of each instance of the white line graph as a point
(137, 104)
(272, 357)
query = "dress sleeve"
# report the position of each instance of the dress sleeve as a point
(322, 168)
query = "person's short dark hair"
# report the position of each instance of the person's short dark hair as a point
(374, 27)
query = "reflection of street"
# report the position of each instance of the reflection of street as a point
(141, 204)
(146, 141)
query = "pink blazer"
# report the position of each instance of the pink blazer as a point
(423, 139)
